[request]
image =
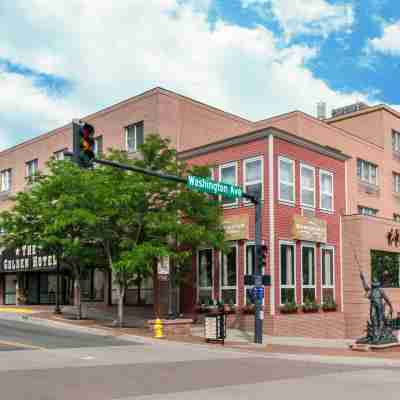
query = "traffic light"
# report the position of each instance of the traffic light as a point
(83, 143)
(262, 257)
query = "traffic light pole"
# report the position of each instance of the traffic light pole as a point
(259, 314)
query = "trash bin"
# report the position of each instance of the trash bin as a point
(215, 327)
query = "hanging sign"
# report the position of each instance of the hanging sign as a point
(26, 258)
(309, 229)
(236, 227)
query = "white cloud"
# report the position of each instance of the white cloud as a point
(389, 41)
(119, 49)
(312, 17)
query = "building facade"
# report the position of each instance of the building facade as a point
(371, 210)
(303, 190)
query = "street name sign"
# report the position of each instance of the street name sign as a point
(209, 186)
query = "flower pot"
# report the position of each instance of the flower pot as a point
(310, 309)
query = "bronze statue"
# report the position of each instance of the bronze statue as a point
(379, 330)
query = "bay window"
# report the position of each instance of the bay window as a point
(307, 186)
(326, 190)
(228, 276)
(328, 274)
(286, 180)
(287, 273)
(308, 273)
(205, 275)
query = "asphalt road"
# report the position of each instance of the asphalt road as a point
(24, 334)
(71, 364)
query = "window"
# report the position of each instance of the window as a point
(286, 180)
(229, 276)
(396, 182)
(5, 180)
(134, 136)
(367, 211)
(250, 268)
(326, 190)
(287, 273)
(307, 181)
(308, 273)
(228, 174)
(59, 155)
(98, 146)
(396, 217)
(385, 268)
(31, 169)
(205, 276)
(396, 141)
(367, 172)
(328, 274)
(253, 177)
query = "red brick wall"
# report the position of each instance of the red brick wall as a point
(284, 213)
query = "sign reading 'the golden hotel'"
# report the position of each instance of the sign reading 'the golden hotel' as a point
(309, 229)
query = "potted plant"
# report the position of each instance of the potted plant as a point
(310, 306)
(289, 308)
(212, 307)
(249, 309)
(329, 305)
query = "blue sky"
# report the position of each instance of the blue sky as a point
(256, 58)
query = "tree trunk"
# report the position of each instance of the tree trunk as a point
(139, 289)
(78, 297)
(121, 306)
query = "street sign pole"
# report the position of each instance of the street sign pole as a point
(258, 328)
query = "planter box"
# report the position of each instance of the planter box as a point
(310, 310)
(288, 311)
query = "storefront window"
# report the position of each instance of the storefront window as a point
(287, 273)
(308, 273)
(250, 268)
(205, 275)
(328, 275)
(385, 268)
(229, 276)
(10, 289)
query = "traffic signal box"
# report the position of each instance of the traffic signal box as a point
(83, 144)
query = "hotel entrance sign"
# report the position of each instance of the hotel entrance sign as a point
(209, 186)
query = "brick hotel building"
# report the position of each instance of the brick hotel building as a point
(365, 196)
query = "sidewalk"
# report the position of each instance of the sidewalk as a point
(290, 347)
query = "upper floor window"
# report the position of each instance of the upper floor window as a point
(31, 168)
(396, 182)
(134, 136)
(307, 181)
(98, 146)
(5, 180)
(396, 141)
(286, 180)
(367, 211)
(228, 174)
(59, 155)
(253, 177)
(367, 171)
(326, 190)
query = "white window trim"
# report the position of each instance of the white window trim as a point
(126, 136)
(290, 161)
(396, 185)
(198, 276)
(369, 164)
(325, 172)
(287, 243)
(235, 201)
(396, 144)
(328, 247)
(302, 246)
(236, 245)
(249, 160)
(6, 173)
(35, 162)
(310, 168)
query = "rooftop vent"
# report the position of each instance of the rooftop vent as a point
(321, 110)
(336, 112)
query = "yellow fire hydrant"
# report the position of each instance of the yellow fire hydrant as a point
(158, 329)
